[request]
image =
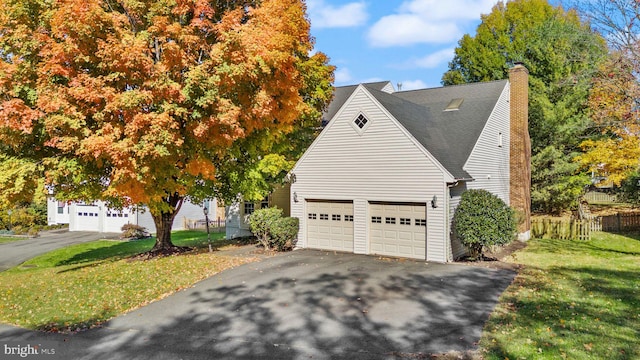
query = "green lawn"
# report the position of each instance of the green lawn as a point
(6, 239)
(84, 285)
(571, 300)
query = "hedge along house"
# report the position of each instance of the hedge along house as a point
(387, 172)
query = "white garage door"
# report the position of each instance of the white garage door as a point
(330, 225)
(115, 219)
(87, 218)
(398, 229)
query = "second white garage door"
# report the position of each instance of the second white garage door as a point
(398, 229)
(330, 225)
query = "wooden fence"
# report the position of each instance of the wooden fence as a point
(563, 229)
(597, 197)
(217, 225)
(621, 222)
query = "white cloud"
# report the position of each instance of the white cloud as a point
(427, 21)
(447, 10)
(412, 85)
(407, 29)
(435, 59)
(342, 76)
(325, 15)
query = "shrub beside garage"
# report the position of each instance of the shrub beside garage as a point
(481, 220)
(273, 231)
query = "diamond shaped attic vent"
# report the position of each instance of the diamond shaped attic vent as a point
(361, 121)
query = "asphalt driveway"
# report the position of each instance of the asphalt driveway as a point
(16, 252)
(301, 305)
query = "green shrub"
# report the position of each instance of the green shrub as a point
(261, 221)
(20, 217)
(133, 231)
(284, 232)
(630, 188)
(272, 230)
(483, 219)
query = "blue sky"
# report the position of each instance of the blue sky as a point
(408, 41)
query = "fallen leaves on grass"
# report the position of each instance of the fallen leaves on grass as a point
(73, 298)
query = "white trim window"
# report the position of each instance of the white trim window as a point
(361, 122)
(249, 208)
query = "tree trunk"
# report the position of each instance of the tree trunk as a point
(164, 222)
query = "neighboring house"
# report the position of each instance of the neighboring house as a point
(387, 172)
(237, 214)
(100, 218)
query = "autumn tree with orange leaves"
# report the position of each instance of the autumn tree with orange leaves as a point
(613, 153)
(614, 100)
(144, 101)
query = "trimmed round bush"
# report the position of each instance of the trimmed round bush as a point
(284, 233)
(260, 223)
(483, 219)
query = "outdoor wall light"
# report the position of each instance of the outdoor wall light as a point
(295, 196)
(434, 202)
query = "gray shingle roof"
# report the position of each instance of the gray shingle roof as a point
(340, 96)
(448, 135)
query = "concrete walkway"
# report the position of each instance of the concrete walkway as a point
(16, 252)
(301, 305)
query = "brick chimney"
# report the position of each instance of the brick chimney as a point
(520, 148)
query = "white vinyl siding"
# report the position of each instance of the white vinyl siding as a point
(488, 163)
(383, 164)
(388, 88)
(360, 216)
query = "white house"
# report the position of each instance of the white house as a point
(387, 172)
(237, 214)
(98, 217)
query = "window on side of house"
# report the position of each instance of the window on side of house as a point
(249, 208)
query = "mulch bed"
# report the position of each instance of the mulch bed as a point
(175, 250)
(494, 259)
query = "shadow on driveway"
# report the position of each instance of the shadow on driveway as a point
(301, 305)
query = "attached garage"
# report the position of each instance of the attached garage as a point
(87, 218)
(399, 161)
(330, 225)
(398, 229)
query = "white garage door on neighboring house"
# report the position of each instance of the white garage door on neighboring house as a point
(115, 219)
(398, 229)
(330, 225)
(87, 218)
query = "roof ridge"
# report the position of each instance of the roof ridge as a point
(455, 85)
